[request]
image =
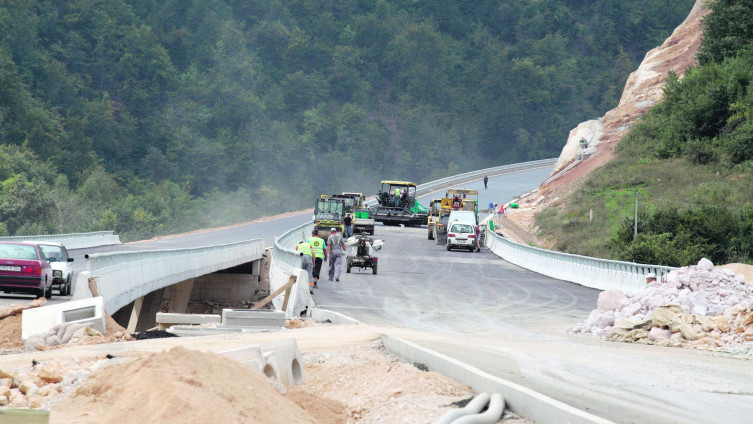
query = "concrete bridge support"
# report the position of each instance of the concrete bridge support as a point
(144, 311)
(229, 286)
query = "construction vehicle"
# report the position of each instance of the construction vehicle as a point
(467, 200)
(352, 201)
(397, 204)
(328, 213)
(363, 221)
(440, 228)
(361, 254)
(434, 208)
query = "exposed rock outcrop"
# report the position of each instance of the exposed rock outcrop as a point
(643, 89)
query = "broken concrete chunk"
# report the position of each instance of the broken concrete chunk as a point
(658, 334)
(51, 374)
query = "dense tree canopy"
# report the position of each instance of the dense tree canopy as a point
(261, 105)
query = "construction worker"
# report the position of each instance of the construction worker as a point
(335, 249)
(348, 222)
(307, 263)
(396, 197)
(320, 255)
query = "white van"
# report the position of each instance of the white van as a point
(461, 230)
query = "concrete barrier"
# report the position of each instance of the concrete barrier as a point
(253, 318)
(523, 401)
(166, 319)
(85, 311)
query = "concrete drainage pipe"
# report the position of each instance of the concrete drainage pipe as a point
(474, 407)
(492, 414)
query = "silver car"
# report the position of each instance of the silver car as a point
(61, 263)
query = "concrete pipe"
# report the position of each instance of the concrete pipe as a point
(492, 414)
(474, 407)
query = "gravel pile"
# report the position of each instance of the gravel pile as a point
(697, 306)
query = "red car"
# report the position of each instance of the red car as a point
(24, 268)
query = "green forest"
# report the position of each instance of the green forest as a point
(689, 160)
(153, 117)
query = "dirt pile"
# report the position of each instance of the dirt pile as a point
(180, 386)
(10, 325)
(378, 387)
(697, 306)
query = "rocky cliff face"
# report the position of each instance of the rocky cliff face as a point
(591, 144)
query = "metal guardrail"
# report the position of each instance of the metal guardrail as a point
(125, 276)
(596, 273)
(284, 254)
(73, 240)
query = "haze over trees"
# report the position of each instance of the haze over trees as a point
(690, 160)
(151, 117)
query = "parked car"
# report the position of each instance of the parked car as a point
(24, 268)
(462, 234)
(62, 265)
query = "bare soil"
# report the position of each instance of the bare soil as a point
(349, 378)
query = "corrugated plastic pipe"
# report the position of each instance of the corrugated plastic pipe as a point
(474, 407)
(492, 414)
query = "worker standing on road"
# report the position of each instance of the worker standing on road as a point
(307, 262)
(348, 221)
(335, 249)
(486, 180)
(317, 246)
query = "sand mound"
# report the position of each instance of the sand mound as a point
(377, 387)
(10, 333)
(742, 269)
(181, 386)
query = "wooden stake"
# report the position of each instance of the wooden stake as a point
(286, 288)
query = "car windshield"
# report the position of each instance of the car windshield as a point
(462, 228)
(324, 206)
(18, 251)
(53, 252)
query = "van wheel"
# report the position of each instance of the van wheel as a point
(374, 269)
(68, 286)
(448, 247)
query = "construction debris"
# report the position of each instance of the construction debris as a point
(43, 384)
(697, 306)
(67, 333)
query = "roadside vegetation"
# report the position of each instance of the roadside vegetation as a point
(149, 117)
(690, 161)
